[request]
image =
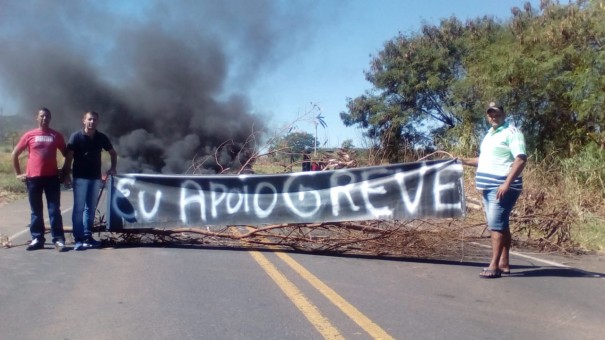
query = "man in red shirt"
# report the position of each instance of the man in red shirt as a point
(42, 176)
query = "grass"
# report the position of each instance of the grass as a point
(6, 162)
(10, 184)
(563, 201)
(590, 233)
(266, 169)
(10, 188)
(263, 166)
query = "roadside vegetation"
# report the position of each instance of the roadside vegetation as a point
(545, 65)
(10, 187)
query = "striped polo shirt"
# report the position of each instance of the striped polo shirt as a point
(498, 151)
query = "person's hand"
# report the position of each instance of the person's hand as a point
(111, 171)
(502, 190)
(67, 180)
(21, 177)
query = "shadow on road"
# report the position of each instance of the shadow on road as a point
(557, 272)
(517, 270)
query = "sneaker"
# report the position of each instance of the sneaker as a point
(60, 246)
(91, 243)
(79, 246)
(35, 244)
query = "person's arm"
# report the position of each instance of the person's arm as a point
(515, 171)
(470, 161)
(65, 171)
(16, 166)
(69, 157)
(113, 155)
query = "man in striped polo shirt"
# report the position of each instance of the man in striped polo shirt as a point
(501, 160)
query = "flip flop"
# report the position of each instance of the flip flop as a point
(503, 272)
(490, 274)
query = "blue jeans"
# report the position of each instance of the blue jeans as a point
(50, 186)
(497, 212)
(86, 193)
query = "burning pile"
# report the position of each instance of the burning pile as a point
(169, 80)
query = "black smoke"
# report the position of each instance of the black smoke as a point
(168, 77)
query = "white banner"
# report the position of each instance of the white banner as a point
(392, 192)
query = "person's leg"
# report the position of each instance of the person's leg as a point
(52, 189)
(492, 215)
(92, 194)
(507, 204)
(503, 263)
(34, 194)
(497, 238)
(77, 216)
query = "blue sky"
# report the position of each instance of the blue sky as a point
(271, 59)
(331, 67)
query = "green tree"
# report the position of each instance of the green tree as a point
(347, 144)
(293, 144)
(549, 71)
(298, 142)
(412, 99)
(545, 65)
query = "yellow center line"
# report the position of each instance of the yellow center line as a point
(310, 311)
(348, 309)
(359, 318)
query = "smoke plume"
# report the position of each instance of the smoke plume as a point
(168, 77)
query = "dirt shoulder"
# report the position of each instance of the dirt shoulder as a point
(7, 197)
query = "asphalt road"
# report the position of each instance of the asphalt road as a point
(238, 293)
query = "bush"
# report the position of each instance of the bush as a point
(586, 170)
(563, 202)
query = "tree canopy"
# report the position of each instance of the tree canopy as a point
(294, 143)
(546, 66)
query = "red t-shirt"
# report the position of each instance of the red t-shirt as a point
(42, 146)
